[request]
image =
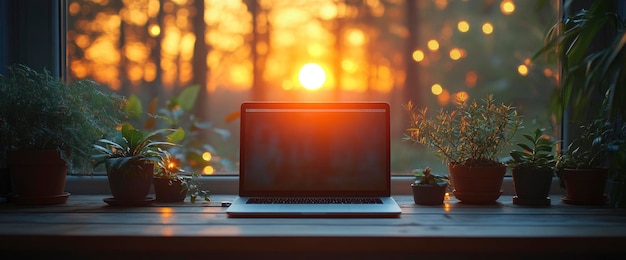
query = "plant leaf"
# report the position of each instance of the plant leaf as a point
(134, 107)
(187, 98)
(176, 136)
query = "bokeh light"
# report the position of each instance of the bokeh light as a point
(463, 26)
(433, 45)
(436, 89)
(487, 28)
(507, 7)
(455, 54)
(154, 30)
(418, 55)
(208, 170)
(522, 70)
(207, 156)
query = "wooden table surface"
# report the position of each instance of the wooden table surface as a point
(87, 227)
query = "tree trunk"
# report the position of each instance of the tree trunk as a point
(200, 67)
(412, 90)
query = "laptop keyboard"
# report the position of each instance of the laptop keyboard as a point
(313, 200)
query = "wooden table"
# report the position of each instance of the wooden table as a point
(87, 227)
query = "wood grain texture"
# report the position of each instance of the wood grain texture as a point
(87, 227)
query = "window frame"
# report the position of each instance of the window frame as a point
(34, 13)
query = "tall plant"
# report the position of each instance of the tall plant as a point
(589, 68)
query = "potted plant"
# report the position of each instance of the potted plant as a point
(129, 159)
(171, 186)
(582, 166)
(48, 126)
(532, 168)
(590, 45)
(469, 138)
(429, 189)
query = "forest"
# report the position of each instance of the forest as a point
(197, 60)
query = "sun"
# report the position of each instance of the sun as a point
(312, 76)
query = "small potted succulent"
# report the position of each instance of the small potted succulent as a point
(470, 138)
(171, 186)
(129, 159)
(533, 169)
(428, 188)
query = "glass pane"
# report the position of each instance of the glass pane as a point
(197, 60)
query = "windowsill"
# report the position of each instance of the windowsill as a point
(85, 227)
(91, 185)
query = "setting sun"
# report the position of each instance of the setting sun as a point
(312, 76)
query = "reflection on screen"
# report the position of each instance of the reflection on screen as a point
(315, 150)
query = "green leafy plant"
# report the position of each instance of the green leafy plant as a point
(538, 155)
(169, 168)
(472, 134)
(132, 146)
(41, 112)
(590, 45)
(589, 68)
(425, 177)
(589, 149)
(178, 113)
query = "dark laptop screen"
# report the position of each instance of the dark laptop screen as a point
(314, 149)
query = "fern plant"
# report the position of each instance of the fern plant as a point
(41, 112)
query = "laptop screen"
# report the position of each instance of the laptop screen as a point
(314, 149)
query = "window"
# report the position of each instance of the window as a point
(430, 52)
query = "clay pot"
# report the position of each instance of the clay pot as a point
(428, 194)
(131, 182)
(532, 186)
(167, 190)
(585, 186)
(477, 184)
(37, 177)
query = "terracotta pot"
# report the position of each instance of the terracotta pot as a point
(131, 182)
(37, 177)
(532, 186)
(584, 186)
(477, 184)
(167, 190)
(428, 194)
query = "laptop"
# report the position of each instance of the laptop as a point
(314, 160)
